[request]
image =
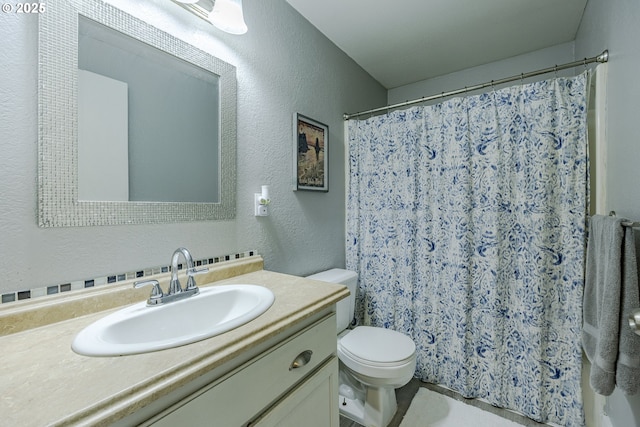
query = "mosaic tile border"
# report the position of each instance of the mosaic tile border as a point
(111, 279)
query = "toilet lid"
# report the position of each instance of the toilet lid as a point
(378, 345)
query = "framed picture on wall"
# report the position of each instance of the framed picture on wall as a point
(311, 154)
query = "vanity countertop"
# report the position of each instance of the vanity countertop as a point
(43, 382)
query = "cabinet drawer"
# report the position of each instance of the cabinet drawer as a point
(245, 392)
(312, 403)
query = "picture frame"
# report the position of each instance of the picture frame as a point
(311, 154)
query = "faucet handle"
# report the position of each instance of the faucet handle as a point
(195, 271)
(156, 292)
(191, 282)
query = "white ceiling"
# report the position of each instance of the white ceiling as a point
(403, 41)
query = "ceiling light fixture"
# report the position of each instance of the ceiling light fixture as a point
(226, 15)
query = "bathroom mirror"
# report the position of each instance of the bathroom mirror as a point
(72, 37)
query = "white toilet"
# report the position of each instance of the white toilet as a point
(373, 361)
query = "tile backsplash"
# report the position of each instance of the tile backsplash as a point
(111, 278)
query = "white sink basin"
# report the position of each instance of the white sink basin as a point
(141, 329)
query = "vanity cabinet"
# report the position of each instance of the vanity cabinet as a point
(293, 383)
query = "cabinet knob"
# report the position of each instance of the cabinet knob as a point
(301, 360)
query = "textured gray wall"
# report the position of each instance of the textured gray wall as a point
(284, 65)
(485, 73)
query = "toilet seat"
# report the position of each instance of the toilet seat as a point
(378, 346)
(377, 352)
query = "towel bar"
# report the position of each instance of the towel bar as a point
(626, 223)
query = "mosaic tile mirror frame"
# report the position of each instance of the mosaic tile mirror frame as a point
(58, 204)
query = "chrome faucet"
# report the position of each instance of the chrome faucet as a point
(174, 285)
(175, 291)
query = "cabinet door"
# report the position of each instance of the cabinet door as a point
(314, 403)
(248, 390)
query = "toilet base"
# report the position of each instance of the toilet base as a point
(376, 411)
(366, 405)
(352, 409)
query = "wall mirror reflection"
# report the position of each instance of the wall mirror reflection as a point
(147, 122)
(136, 126)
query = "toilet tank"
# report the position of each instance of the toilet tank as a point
(345, 307)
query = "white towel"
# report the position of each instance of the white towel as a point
(610, 294)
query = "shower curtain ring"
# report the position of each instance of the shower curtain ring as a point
(555, 70)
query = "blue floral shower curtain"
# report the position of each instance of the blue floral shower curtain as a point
(466, 224)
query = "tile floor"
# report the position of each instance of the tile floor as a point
(405, 394)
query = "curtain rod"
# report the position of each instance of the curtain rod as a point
(603, 57)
